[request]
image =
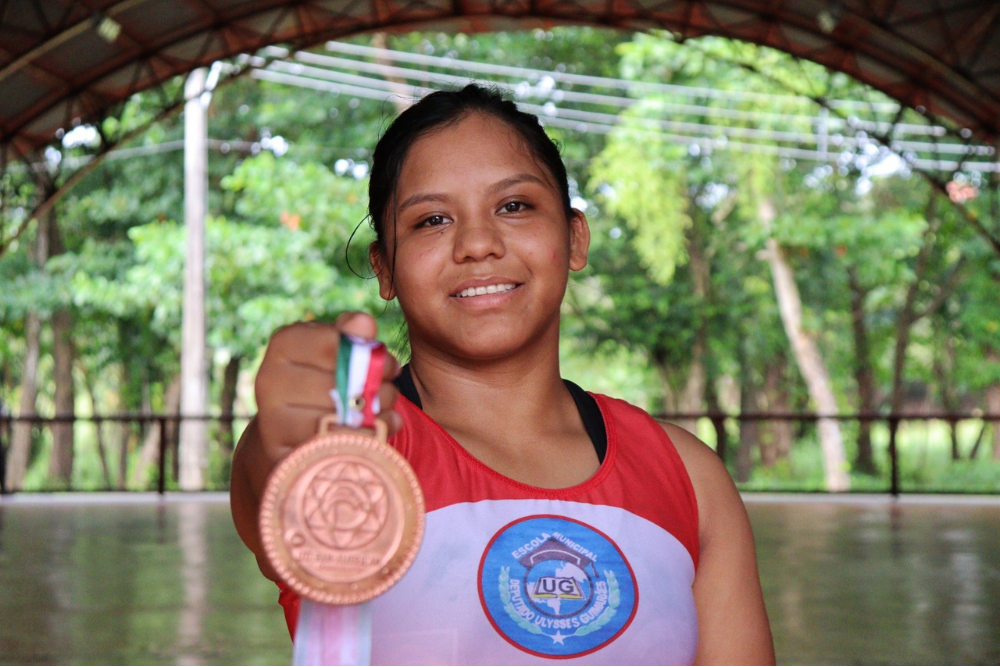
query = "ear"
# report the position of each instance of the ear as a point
(579, 240)
(378, 260)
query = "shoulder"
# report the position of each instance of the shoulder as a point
(719, 502)
(704, 468)
(703, 464)
(732, 619)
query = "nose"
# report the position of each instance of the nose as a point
(478, 238)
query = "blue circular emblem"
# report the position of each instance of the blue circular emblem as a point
(556, 587)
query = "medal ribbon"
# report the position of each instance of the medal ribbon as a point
(333, 635)
(359, 376)
(342, 635)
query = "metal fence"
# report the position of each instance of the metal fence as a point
(725, 440)
(722, 431)
(166, 426)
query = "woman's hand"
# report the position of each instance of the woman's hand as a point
(293, 393)
(294, 382)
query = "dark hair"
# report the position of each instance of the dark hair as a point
(441, 109)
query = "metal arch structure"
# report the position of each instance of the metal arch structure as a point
(65, 62)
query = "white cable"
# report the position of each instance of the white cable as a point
(584, 79)
(600, 123)
(833, 124)
(367, 83)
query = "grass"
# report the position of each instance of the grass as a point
(924, 459)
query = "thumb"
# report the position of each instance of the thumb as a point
(357, 324)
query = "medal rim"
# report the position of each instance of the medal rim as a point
(327, 446)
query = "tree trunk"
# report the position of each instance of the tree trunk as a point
(718, 423)
(863, 376)
(227, 443)
(974, 452)
(125, 430)
(21, 438)
(782, 403)
(192, 458)
(776, 436)
(943, 364)
(688, 399)
(749, 430)
(993, 407)
(20, 441)
(61, 463)
(125, 434)
(151, 445)
(102, 449)
(692, 397)
(669, 395)
(809, 360)
(226, 402)
(907, 316)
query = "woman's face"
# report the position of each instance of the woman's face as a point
(482, 245)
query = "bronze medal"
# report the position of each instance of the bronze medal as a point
(342, 516)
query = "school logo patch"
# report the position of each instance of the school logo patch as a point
(556, 587)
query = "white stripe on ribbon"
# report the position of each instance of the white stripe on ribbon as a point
(333, 635)
(361, 356)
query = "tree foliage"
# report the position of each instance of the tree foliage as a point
(677, 305)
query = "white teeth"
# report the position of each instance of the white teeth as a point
(486, 289)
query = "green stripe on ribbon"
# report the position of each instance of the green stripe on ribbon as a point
(343, 373)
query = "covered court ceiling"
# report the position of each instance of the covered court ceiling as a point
(64, 62)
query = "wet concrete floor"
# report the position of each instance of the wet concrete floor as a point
(129, 580)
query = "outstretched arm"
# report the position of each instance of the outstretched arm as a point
(293, 393)
(732, 621)
(249, 473)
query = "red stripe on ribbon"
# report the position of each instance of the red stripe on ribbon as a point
(372, 383)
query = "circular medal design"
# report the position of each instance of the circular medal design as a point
(555, 587)
(345, 505)
(342, 518)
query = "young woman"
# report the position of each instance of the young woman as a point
(560, 524)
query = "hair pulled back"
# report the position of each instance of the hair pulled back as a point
(441, 109)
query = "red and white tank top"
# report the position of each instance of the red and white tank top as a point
(598, 573)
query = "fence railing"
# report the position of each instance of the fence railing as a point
(167, 428)
(721, 430)
(892, 421)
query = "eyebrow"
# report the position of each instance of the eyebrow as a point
(514, 180)
(422, 197)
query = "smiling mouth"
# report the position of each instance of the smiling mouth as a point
(499, 288)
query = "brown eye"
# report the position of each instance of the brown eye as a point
(513, 207)
(432, 221)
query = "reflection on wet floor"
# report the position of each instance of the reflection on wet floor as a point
(877, 582)
(133, 583)
(104, 580)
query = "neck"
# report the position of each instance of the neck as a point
(520, 392)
